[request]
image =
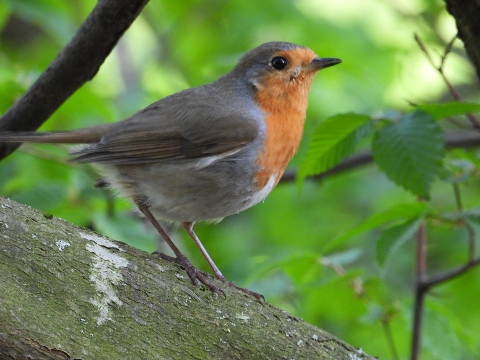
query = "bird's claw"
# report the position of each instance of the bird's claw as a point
(195, 274)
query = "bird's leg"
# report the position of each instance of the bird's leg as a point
(188, 226)
(180, 259)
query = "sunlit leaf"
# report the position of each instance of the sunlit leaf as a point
(446, 110)
(333, 140)
(410, 151)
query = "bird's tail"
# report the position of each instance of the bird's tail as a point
(81, 136)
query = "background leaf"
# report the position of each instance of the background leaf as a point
(410, 151)
(393, 238)
(174, 45)
(333, 140)
(446, 110)
(399, 213)
(439, 324)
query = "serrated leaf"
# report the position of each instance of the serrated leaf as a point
(333, 140)
(397, 214)
(393, 238)
(410, 151)
(445, 110)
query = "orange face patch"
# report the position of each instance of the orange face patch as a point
(283, 96)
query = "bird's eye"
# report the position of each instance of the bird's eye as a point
(279, 63)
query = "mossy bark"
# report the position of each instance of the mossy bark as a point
(66, 292)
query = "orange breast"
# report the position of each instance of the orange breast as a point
(285, 116)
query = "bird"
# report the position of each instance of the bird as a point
(206, 152)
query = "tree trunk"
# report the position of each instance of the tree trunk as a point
(67, 292)
(467, 17)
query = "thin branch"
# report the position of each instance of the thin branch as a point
(423, 282)
(359, 291)
(471, 241)
(450, 274)
(76, 64)
(448, 50)
(458, 198)
(387, 330)
(464, 223)
(455, 139)
(473, 120)
(420, 290)
(422, 252)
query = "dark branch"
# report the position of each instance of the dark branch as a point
(449, 274)
(454, 139)
(420, 291)
(76, 64)
(466, 14)
(455, 94)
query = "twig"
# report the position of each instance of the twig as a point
(449, 274)
(423, 282)
(359, 290)
(471, 241)
(420, 289)
(465, 224)
(473, 120)
(457, 139)
(458, 198)
(387, 330)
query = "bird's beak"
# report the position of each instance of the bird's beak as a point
(322, 63)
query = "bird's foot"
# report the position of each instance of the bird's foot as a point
(246, 291)
(197, 275)
(194, 274)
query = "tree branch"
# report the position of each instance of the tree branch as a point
(454, 139)
(67, 292)
(420, 290)
(466, 14)
(434, 280)
(77, 63)
(451, 89)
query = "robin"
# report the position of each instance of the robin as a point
(206, 152)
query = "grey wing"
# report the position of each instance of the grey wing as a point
(150, 137)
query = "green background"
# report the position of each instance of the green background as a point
(282, 247)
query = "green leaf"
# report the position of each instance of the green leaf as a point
(473, 214)
(445, 110)
(301, 267)
(4, 13)
(393, 238)
(410, 151)
(439, 336)
(397, 214)
(333, 140)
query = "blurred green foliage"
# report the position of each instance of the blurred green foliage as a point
(340, 253)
